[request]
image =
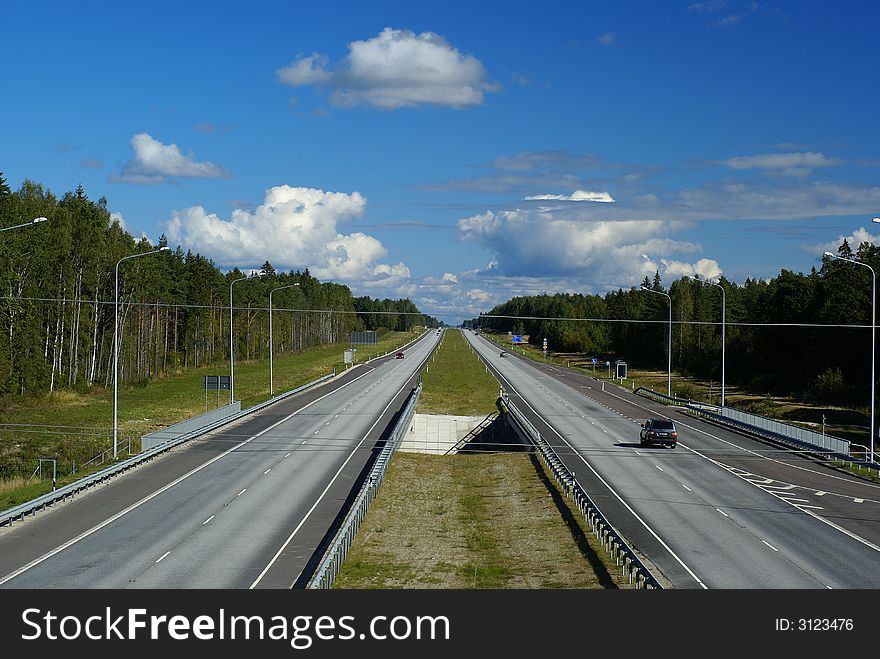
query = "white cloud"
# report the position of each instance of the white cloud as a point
(478, 295)
(293, 228)
(117, 217)
(790, 164)
(448, 276)
(603, 254)
(859, 236)
(607, 39)
(396, 69)
(577, 195)
(155, 162)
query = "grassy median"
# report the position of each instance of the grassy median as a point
(456, 381)
(472, 521)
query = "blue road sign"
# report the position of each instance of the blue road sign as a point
(595, 360)
(517, 338)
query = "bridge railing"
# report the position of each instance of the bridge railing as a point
(635, 571)
(330, 564)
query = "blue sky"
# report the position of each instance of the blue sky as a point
(458, 153)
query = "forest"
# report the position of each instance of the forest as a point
(58, 293)
(787, 335)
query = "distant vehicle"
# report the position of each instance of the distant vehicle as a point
(503, 354)
(658, 431)
(399, 355)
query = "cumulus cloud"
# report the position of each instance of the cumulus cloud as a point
(606, 254)
(607, 39)
(293, 228)
(790, 164)
(395, 69)
(856, 238)
(577, 195)
(155, 162)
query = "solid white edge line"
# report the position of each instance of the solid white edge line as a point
(610, 489)
(147, 498)
(315, 505)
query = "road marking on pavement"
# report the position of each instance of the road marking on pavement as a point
(686, 487)
(287, 456)
(208, 520)
(722, 512)
(858, 501)
(769, 545)
(267, 471)
(660, 468)
(821, 494)
(163, 556)
(242, 492)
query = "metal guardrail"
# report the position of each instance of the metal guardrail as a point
(161, 436)
(330, 564)
(756, 423)
(631, 566)
(62, 493)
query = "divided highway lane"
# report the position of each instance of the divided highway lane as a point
(250, 516)
(699, 523)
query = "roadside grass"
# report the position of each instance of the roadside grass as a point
(456, 381)
(72, 427)
(844, 423)
(473, 521)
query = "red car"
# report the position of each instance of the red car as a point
(399, 355)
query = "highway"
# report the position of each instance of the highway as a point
(244, 508)
(721, 510)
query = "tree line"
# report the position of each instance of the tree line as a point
(784, 336)
(57, 292)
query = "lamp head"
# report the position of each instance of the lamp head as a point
(165, 249)
(40, 219)
(829, 254)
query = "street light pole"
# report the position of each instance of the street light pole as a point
(231, 346)
(873, 333)
(271, 343)
(116, 348)
(723, 326)
(669, 346)
(26, 224)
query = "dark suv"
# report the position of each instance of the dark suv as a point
(658, 431)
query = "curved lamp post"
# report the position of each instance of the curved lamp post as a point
(873, 332)
(26, 224)
(116, 347)
(669, 346)
(271, 343)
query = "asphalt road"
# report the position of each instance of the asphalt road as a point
(719, 511)
(245, 508)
